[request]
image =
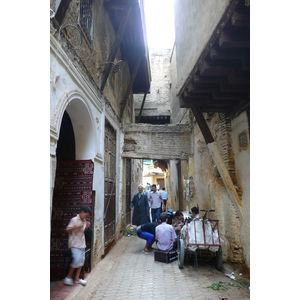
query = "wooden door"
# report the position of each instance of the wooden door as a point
(128, 190)
(110, 184)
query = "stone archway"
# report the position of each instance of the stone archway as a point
(73, 178)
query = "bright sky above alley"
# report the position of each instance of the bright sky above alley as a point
(159, 16)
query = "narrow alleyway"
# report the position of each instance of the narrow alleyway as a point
(127, 273)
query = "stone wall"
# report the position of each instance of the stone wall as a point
(158, 101)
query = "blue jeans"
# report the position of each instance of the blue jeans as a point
(149, 237)
(155, 213)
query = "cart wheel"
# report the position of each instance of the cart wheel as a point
(219, 259)
(180, 254)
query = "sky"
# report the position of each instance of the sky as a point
(159, 16)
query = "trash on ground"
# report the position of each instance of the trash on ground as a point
(129, 230)
(231, 276)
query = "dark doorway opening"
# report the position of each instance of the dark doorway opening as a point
(66, 144)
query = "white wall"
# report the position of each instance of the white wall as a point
(72, 93)
(195, 21)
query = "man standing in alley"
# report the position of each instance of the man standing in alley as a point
(164, 196)
(156, 202)
(165, 235)
(75, 229)
(140, 206)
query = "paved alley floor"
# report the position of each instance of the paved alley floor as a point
(127, 273)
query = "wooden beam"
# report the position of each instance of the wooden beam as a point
(240, 19)
(133, 75)
(140, 114)
(202, 124)
(231, 191)
(217, 158)
(227, 40)
(202, 88)
(205, 106)
(234, 89)
(197, 96)
(239, 77)
(206, 79)
(214, 68)
(116, 45)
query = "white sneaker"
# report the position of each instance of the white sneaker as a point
(81, 281)
(68, 281)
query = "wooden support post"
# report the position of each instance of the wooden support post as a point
(232, 193)
(217, 158)
(202, 125)
(140, 114)
(133, 75)
(116, 45)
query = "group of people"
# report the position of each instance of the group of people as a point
(164, 226)
(165, 232)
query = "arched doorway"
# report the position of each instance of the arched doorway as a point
(73, 181)
(66, 144)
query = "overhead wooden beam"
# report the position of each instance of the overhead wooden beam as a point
(240, 19)
(228, 40)
(238, 77)
(202, 102)
(218, 54)
(217, 158)
(194, 88)
(196, 96)
(213, 68)
(140, 114)
(129, 87)
(116, 45)
(234, 89)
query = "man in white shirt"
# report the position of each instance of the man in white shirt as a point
(156, 202)
(165, 235)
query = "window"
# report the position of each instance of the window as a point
(86, 18)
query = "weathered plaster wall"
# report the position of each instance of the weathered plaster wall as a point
(177, 113)
(158, 101)
(75, 79)
(196, 25)
(137, 175)
(242, 162)
(88, 57)
(210, 192)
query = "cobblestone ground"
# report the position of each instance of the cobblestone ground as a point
(127, 273)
